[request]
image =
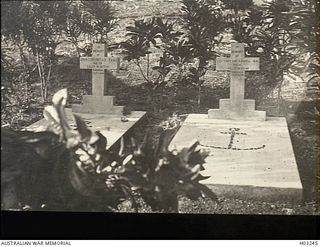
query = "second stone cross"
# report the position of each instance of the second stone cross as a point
(237, 107)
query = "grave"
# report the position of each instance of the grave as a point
(98, 63)
(97, 109)
(237, 107)
(251, 155)
(110, 126)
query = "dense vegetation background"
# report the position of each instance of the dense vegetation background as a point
(168, 64)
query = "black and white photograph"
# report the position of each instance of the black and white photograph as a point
(157, 107)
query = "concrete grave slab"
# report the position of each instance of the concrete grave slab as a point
(110, 126)
(248, 159)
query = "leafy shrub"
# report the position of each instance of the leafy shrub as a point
(145, 36)
(39, 27)
(203, 24)
(82, 175)
(102, 19)
(172, 53)
(268, 33)
(307, 22)
(237, 5)
(183, 55)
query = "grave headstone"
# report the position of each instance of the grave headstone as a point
(237, 107)
(249, 158)
(98, 110)
(98, 102)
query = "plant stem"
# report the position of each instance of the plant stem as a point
(199, 95)
(148, 64)
(141, 71)
(48, 80)
(40, 75)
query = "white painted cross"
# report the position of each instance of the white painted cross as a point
(237, 107)
(99, 62)
(237, 64)
(98, 102)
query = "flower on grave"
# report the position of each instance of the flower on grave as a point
(172, 122)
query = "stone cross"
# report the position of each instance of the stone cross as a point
(237, 107)
(237, 64)
(98, 63)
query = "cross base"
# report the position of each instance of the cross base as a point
(98, 104)
(245, 110)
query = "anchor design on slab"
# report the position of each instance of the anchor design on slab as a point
(233, 132)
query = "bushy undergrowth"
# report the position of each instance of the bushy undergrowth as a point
(65, 169)
(178, 66)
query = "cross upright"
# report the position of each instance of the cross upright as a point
(98, 63)
(237, 107)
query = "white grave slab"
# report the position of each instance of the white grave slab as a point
(237, 107)
(251, 159)
(110, 126)
(251, 156)
(98, 102)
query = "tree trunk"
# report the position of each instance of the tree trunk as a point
(199, 96)
(40, 75)
(43, 78)
(279, 99)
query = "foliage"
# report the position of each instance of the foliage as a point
(18, 103)
(268, 34)
(237, 5)
(6, 66)
(160, 174)
(285, 36)
(307, 21)
(16, 96)
(81, 175)
(203, 24)
(158, 37)
(102, 19)
(38, 25)
(77, 26)
(145, 36)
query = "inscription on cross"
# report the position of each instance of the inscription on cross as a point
(237, 107)
(98, 63)
(237, 64)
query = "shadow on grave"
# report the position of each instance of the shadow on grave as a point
(303, 123)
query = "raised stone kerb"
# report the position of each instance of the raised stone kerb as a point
(98, 63)
(237, 107)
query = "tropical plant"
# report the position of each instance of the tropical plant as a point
(78, 25)
(38, 26)
(203, 23)
(141, 36)
(66, 169)
(268, 33)
(160, 174)
(237, 5)
(306, 20)
(101, 17)
(158, 37)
